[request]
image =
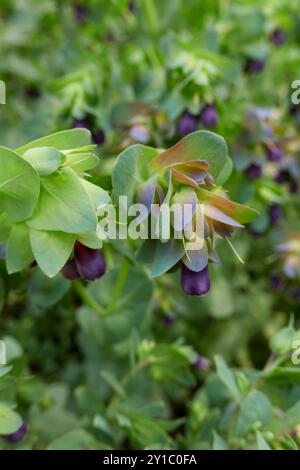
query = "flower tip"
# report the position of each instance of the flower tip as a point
(195, 283)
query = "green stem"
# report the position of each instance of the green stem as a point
(87, 299)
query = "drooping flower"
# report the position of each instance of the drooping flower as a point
(70, 270)
(87, 263)
(187, 123)
(274, 152)
(98, 137)
(275, 214)
(277, 283)
(80, 12)
(286, 176)
(195, 283)
(82, 123)
(254, 171)
(202, 363)
(253, 66)
(277, 37)
(18, 435)
(209, 116)
(132, 6)
(169, 319)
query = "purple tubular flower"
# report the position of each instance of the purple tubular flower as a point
(275, 214)
(18, 435)
(254, 171)
(195, 283)
(283, 176)
(273, 152)
(169, 319)
(187, 124)
(277, 283)
(254, 66)
(277, 37)
(32, 92)
(90, 263)
(79, 123)
(132, 7)
(80, 12)
(209, 116)
(201, 363)
(98, 137)
(70, 270)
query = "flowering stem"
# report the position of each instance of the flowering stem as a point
(88, 300)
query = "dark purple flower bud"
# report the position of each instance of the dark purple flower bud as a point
(169, 319)
(98, 137)
(283, 176)
(275, 214)
(90, 263)
(294, 186)
(254, 66)
(277, 283)
(32, 92)
(195, 283)
(209, 116)
(277, 37)
(201, 363)
(187, 124)
(254, 171)
(84, 122)
(70, 270)
(80, 12)
(132, 6)
(273, 152)
(18, 435)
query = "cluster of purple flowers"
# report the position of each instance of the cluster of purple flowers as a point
(208, 118)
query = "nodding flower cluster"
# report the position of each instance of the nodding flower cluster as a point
(188, 122)
(176, 176)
